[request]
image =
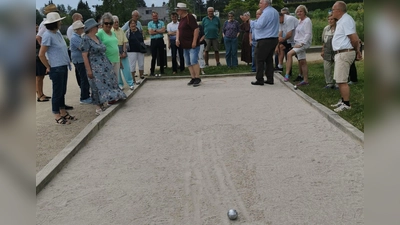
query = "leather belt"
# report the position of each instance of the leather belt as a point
(344, 50)
(271, 38)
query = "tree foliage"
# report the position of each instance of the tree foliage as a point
(39, 17)
(121, 8)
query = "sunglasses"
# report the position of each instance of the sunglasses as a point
(108, 23)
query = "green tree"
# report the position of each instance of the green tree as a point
(39, 17)
(84, 10)
(121, 8)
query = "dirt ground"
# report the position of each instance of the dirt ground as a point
(175, 154)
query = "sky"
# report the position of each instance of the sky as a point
(74, 3)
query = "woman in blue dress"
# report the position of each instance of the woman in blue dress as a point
(99, 69)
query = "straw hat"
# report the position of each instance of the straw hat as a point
(53, 17)
(90, 23)
(77, 24)
(50, 8)
(181, 6)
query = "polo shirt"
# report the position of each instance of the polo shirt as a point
(155, 26)
(289, 24)
(120, 36)
(211, 27)
(344, 26)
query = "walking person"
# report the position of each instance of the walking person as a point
(230, 32)
(135, 39)
(327, 52)
(187, 37)
(266, 33)
(302, 41)
(172, 28)
(212, 27)
(77, 60)
(156, 29)
(57, 64)
(99, 69)
(345, 43)
(123, 56)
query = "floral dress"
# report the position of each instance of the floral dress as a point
(104, 85)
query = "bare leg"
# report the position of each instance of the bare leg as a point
(216, 56)
(206, 57)
(281, 54)
(141, 73)
(196, 70)
(344, 91)
(39, 87)
(304, 69)
(133, 77)
(192, 73)
(289, 61)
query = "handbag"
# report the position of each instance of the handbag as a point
(142, 47)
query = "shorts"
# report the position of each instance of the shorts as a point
(212, 42)
(300, 52)
(343, 62)
(191, 56)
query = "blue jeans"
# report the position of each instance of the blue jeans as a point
(231, 45)
(59, 78)
(84, 82)
(191, 56)
(253, 64)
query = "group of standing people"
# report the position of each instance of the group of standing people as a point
(281, 33)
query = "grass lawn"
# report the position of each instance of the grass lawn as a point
(315, 90)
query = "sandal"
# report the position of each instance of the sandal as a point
(69, 117)
(42, 100)
(62, 121)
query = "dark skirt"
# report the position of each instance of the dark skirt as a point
(40, 68)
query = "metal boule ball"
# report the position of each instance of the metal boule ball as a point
(295, 87)
(232, 214)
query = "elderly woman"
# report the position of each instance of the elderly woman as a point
(327, 52)
(99, 69)
(122, 42)
(135, 38)
(246, 47)
(302, 41)
(230, 32)
(110, 40)
(77, 60)
(53, 44)
(40, 73)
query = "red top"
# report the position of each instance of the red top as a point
(186, 28)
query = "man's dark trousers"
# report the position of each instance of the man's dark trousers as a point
(264, 53)
(157, 46)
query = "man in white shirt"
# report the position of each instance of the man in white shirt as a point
(135, 17)
(287, 27)
(70, 30)
(172, 27)
(345, 44)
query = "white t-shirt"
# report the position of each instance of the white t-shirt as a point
(344, 26)
(70, 32)
(41, 29)
(172, 27)
(303, 34)
(289, 24)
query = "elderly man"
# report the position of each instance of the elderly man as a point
(70, 30)
(287, 28)
(345, 43)
(172, 28)
(156, 29)
(266, 30)
(135, 17)
(253, 42)
(212, 27)
(187, 38)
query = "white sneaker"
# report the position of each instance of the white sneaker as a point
(337, 104)
(202, 72)
(131, 87)
(121, 88)
(342, 107)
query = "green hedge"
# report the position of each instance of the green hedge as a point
(314, 5)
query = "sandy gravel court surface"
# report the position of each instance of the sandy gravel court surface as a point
(175, 154)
